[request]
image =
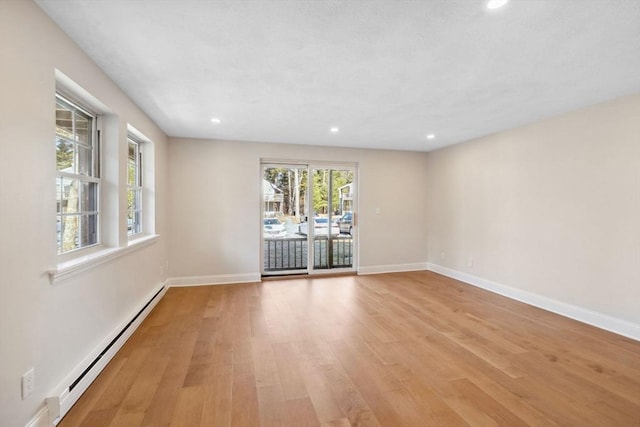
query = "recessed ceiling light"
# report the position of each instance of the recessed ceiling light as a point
(431, 136)
(334, 130)
(215, 120)
(495, 4)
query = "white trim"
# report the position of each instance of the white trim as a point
(76, 94)
(220, 279)
(392, 268)
(139, 135)
(330, 271)
(277, 163)
(584, 315)
(62, 399)
(41, 419)
(76, 266)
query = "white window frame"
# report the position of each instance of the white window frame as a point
(90, 178)
(112, 239)
(135, 221)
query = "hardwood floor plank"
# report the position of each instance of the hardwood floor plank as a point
(300, 412)
(478, 408)
(627, 387)
(96, 418)
(488, 352)
(264, 363)
(360, 359)
(400, 349)
(618, 415)
(217, 407)
(293, 385)
(160, 409)
(127, 419)
(323, 399)
(339, 422)
(133, 406)
(258, 323)
(508, 398)
(349, 399)
(244, 399)
(272, 406)
(122, 383)
(370, 384)
(433, 409)
(189, 407)
(90, 398)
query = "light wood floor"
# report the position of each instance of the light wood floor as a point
(407, 349)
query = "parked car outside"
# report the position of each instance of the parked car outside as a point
(320, 227)
(345, 223)
(272, 227)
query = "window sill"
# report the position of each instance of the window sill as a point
(76, 266)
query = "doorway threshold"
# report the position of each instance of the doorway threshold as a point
(269, 277)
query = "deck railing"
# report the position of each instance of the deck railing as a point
(290, 253)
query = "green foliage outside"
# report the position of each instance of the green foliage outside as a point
(285, 180)
(64, 154)
(321, 189)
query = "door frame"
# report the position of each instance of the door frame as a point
(310, 165)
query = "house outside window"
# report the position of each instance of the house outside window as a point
(78, 177)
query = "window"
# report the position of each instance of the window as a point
(134, 187)
(78, 177)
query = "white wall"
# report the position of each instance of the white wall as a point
(552, 209)
(53, 327)
(215, 205)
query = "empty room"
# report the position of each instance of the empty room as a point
(320, 213)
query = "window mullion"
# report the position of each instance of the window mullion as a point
(78, 176)
(139, 167)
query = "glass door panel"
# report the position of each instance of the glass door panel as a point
(284, 199)
(342, 204)
(332, 193)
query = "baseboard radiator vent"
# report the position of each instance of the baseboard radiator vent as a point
(58, 406)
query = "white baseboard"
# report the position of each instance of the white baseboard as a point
(221, 279)
(584, 315)
(392, 268)
(41, 419)
(62, 399)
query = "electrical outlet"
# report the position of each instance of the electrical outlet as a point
(470, 262)
(28, 383)
(442, 255)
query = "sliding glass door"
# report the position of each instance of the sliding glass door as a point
(308, 218)
(332, 201)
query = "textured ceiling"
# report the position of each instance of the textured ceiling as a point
(385, 72)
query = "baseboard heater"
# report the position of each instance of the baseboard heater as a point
(58, 406)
